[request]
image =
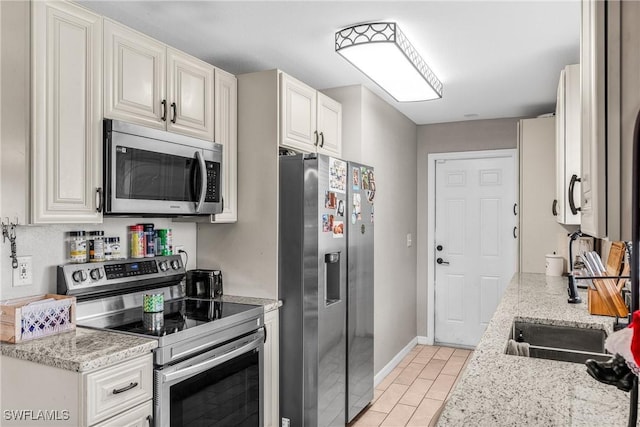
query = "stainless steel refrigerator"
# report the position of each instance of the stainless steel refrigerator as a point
(360, 203)
(315, 209)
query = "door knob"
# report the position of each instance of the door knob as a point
(439, 248)
(441, 261)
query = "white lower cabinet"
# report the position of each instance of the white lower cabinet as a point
(119, 395)
(271, 369)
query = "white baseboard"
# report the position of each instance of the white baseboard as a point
(425, 340)
(377, 379)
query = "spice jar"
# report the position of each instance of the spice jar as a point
(77, 247)
(96, 246)
(116, 253)
(136, 241)
(150, 240)
(111, 248)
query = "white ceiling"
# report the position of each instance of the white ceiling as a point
(495, 58)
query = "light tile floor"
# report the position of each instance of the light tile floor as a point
(412, 394)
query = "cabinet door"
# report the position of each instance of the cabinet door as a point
(568, 146)
(112, 390)
(66, 113)
(329, 126)
(189, 95)
(271, 370)
(593, 109)
(226, 133)
(134, 77)
(140, 416)
(297, 115)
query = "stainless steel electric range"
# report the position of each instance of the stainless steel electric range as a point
(208, 367)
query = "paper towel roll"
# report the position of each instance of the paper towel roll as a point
(554, 265)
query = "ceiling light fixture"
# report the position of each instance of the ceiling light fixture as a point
(383, 52)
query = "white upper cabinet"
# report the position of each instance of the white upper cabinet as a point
(134, 77)
(593, 206)
(568, 171)
(298, 114)
(329, 125)
(66, 114)
(309, 121)
(153, 85)
(189, 95)
(226, 125)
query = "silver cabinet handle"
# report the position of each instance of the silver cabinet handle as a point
(203, 179)
(321, 139)
(515, 232)
(315, 132)
(164, 110)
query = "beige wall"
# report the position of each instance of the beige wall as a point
(388, 143)
(445, 138)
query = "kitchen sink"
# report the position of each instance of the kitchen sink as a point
(564, 343)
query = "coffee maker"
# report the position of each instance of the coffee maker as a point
(204, 283)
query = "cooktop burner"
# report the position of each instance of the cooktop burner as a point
(177, 316)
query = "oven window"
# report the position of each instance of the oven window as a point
(149, 175)
(227, 395)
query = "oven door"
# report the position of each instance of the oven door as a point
(155, 173)
(222, 387)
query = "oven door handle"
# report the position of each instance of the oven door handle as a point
(211, 363)
(203, 181)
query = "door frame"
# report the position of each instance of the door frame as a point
(432, 158)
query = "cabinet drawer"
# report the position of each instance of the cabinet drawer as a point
(117, 388)
(140, 416)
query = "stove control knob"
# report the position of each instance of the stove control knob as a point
(175, 264)
(96, 274)
(79, 276)
(163, 265)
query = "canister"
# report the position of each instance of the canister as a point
(554, 265)
(136, 241)
(77, 247)
(111, 248)
(96, 246)
(152, 303)
(166, 242)
(150, 240)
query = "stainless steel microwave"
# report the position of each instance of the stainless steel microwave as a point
(149, 172)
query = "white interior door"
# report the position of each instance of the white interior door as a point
(475, 245)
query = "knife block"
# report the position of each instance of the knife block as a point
(596, 305)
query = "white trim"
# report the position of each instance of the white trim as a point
(377, 379)
(425, 340)
(431, 216)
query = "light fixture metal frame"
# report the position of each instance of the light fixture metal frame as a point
(386, 32)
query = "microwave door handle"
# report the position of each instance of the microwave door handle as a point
(203, 180)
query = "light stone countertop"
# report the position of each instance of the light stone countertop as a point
(269, 304)
(501, 390)
(80, 350)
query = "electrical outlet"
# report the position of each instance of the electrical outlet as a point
(286, 422)
(177, 249)
(23, 275)
(409, 240)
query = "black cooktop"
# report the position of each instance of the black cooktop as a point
(178, 315)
